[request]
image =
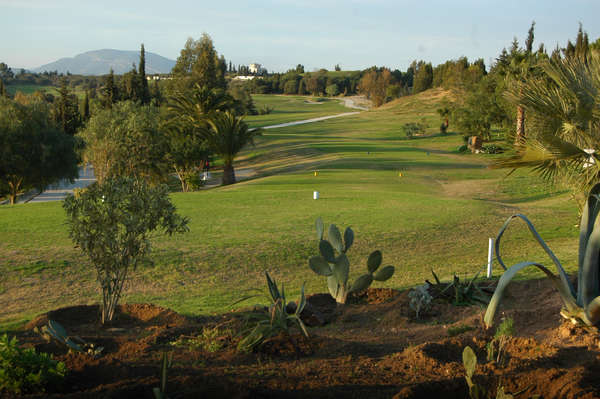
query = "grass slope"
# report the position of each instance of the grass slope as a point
(437, 215)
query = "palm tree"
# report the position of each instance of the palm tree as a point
(563, 105)
(188, 115)
(226, 135)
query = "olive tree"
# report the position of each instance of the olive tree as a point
(113, 223)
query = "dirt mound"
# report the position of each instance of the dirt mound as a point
(372, 347)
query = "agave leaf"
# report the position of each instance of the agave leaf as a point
(508, 275)
(588, 283)
(341, 269)
(384, 274)
(272, 288)
(57, 330)
(301, 324)
(561, 272)
(374, 261)
(301, 302)
(592, 312)
(320, 266)
(335, 237)
(437, 280)
(327, 251)
(362, 283)
(348, 238)
(320, 228)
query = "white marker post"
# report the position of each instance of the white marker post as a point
(490, 258)
(315, 195)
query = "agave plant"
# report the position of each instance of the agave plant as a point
(581, 306)
(262, 325)
(337, 268)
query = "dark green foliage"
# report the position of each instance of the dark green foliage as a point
(86, 107)
(225, 135)
(411, 129)
(25, 371)
(144, 93)
(198, 63)
(126, 140)
(479, 111)
(460, 293)
(66, 110)
(34, 153)
(492, 149)
(423, 76)
(2, 89)
(112, 222)
(278, 319)
(111, 93)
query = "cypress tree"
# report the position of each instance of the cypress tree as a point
(2, 89)
(529, 41)
(86, 107)
(144, 94)
(110, 91)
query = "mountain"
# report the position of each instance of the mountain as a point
(99, 62)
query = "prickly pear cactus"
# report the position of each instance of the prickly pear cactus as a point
(337, 267)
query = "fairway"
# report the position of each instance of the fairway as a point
(293, 108)
(419, 201)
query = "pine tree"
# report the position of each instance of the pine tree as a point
(144, 94)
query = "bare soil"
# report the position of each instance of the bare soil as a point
(372, 348)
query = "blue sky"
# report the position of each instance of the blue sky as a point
(282, 33)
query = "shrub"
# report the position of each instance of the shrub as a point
(463, 148)
(112, 222)
(261, 326)
(25, 370)
(411, 129)
(337, 268)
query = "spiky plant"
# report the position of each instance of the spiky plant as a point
(582, 306)
(563, 124)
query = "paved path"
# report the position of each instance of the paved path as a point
(58, 191)
(321, 118)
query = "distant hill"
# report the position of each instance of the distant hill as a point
(99, 62)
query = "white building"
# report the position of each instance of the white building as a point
(254, 68)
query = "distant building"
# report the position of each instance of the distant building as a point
(250, 77)
(254, 68)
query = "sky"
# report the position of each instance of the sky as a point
(279, 34)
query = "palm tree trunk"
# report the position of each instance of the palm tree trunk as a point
(228, 174)
(520, 122)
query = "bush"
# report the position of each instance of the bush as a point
(411, 129)
(463, 148)
(492, 149)
(25, 370)
(112, 222)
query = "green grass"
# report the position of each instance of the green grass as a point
(32, 88)
(438, 215)
(293, 108)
